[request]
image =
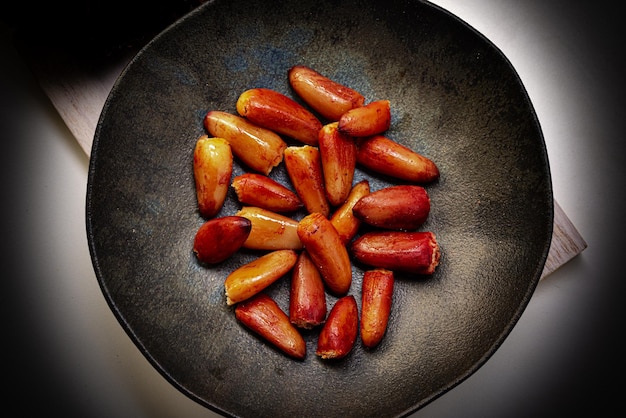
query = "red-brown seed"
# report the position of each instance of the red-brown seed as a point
(219, 238)
(307, 298)
(264, 192)
(262, 315)
(279, 113)
(339, 333)
(376, 301)
(403, 207)
(322, 242)
(338, 153)
(304, 167)
(329, 98)
(412, 252)
(385, 156)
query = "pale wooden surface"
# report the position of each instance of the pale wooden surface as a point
(79, 89)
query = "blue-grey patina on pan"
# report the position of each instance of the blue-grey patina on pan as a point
(455, 98)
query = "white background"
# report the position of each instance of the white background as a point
(67, 354)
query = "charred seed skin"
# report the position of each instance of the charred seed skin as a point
(251, 278)
(212, 168)
(343, 219)
(260, 149)
(403, 207)
(327, 97)
(382, 155)
(219, 238)
(262, 315)
(337, 337)
(370, 119)
(411, 252)
(270, 230)
(279, 113)
(322, 242)
(338, 154)
(376, 302)
(258, 190)
(304, 167)
(307, 298)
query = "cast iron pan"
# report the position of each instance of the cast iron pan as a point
(455, 98)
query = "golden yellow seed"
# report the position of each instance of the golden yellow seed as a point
(304, 167)
(260, 149)
(251, 278)
(212, 167)
(343, 218)
(270, 230)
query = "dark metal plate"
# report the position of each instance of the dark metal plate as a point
(455, 99)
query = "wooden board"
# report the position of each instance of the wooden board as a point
(78, 88)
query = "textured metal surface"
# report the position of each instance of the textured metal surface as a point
(454, 98)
